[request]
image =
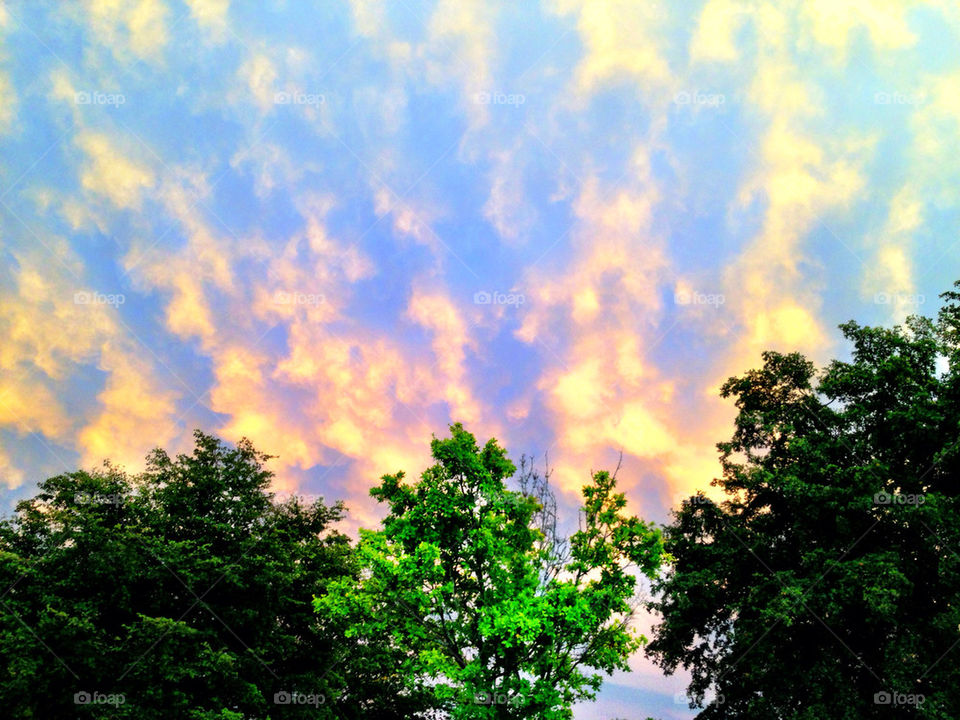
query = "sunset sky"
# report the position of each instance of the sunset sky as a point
(336, 230)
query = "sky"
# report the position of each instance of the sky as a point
(337, 227)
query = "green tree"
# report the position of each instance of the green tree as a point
(495, 614)
(826, 583)
(185, 592)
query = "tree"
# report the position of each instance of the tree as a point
(826, 583)
(184, 592)
(494, 614)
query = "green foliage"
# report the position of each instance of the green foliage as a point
(829, 574)
(185, 592)
(494, 614)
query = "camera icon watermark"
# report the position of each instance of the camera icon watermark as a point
(495, 698)
(689, 297)
(99, 98)
(691, 499)
(282, 297)
(498, 298)
(681, 698)
(98, 298)
(293, 697)
(885, 298)
(299, 98)
(499, 98)
(897, 698)
(899, 98)
(98, 698)
(883, 498)
(699, 98)
(84, 498)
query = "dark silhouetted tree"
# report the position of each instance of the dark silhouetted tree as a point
(827, 583)
(185, 592)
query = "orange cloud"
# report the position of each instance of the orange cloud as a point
(135, 411)
(594, 323)
(53, 326)
(451, 339)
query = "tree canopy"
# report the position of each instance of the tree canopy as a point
(495, 614)
(826, 583)
(182, 592)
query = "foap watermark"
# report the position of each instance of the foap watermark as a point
(498, 298)
(84, 498)
(294, 697)
(899, 98)
(896, 298)
(499, 98)
(495, 698)
(898, 698)
(282, 297)
(299, 98)
(691, 499)
(98, 698)
(883, 498)
(99, 98)
(98, 298)
(681, 698)
(700, 98)
(303, 498)
(506, 497)
(689, 297)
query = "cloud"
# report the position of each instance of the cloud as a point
(321, 401)
(271, 167)
(44, 322)
(203, 262)
(614, 236)
(832, 24)
(316, 398)
(451, 339)
(369, 17)
(231, 294)
(254, 409)
(211, 15)
(8, 93)
(29, 405)
(10, 476)
(622, 41)
(259, 76)
(933, 124)
(55, 326)
(135, 411)
(507, 207)
(594, 325)
(799, 180)
(409, 219)
(461, 48)
(888, 278)
(8, 103)
(137, 27)
(714, 39)
(110, 173)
